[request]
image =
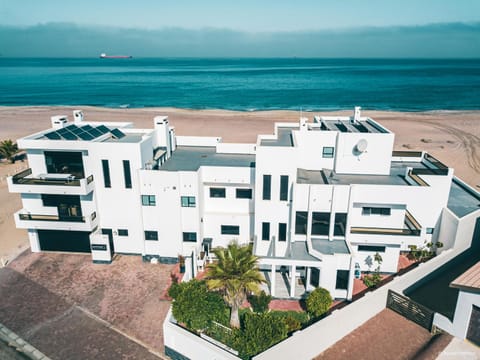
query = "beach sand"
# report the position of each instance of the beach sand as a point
(453, 137)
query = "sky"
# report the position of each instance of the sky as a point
(429, 28)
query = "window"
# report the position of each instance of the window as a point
(151, 235)
(320, 223)
(106, 174)
(430, 230)
(230, 230)
(217, 192)
(340, 224)
(376, 211)
(282, 232)
(283, 187)
(327, 152)
(267, 187)
(244, 193)
(148, 200)
(187, 201)
(265, 231)
(190, 236)
(371, 248)
(126, 174)
(122, 232)
(301, 222)
(342, 279)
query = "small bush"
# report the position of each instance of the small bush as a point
(195, 306)
(318, 302)
(260, 302)
(372, 280)
(294, 320)
(258, 333)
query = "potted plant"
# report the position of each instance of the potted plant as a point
(181, 261)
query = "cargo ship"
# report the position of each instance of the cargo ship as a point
(105, 56)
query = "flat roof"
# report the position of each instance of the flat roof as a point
(330, 247)
(284, 138)
(329, 177)
(190, 158)
(462, 200)
(469, 280)
(347, 126)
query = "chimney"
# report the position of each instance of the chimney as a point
(163, 133)
(77, 116)
(59, 121)
(303, 123)
(356, 115)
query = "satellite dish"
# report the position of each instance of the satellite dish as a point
(361, 146)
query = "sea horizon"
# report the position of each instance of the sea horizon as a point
(244, 84)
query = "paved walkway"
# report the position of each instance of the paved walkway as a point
(387, 336)
(460, 350)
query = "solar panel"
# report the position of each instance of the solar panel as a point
(69, 136)
(71, 127)
(85, 136)
(77, 130)
(103, 129)
(95, 132)
(53, 136)
(117, 133)
(87, 127)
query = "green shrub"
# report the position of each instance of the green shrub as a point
(294, 320)
(195, 306)
(260, 302)
(318, 302)
(258, 333)
(372, 280)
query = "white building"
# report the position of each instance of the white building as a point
(318, 200)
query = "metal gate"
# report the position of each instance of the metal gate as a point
(410, 309)
(473, 333)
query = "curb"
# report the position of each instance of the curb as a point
(13, 340)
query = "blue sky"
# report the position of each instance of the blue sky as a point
(241, 15)
(241, 28)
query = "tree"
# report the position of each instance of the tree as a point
(319, 301)
(8, 149)
(234, 274)
(195, 305)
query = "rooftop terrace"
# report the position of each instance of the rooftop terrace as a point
(462, 200)
(284, 138)
(190, 158)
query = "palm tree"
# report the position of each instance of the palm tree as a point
(234, 274)
(8, 149)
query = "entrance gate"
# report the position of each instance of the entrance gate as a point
(410, 309)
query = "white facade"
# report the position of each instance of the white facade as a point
(318, 200)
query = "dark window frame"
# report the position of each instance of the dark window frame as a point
(243, 193)
(430, 231)
(372, 210)
(107, 181)
(267, 187)
(122, 232)
(188, 201)
(127, 174)
(320, 223)
(303, 215)
(151, 235)
(340, 219)
(189, 236)
(149, 200)
(230, 230)
(341, 282)
(266, 231)
(283, 187)
(328, 152)
(372, 248)
(218, 192)
(282, 232)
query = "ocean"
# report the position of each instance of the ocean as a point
(243, 84)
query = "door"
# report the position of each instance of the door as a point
(473, 333)
(109, 232)
(65, 241)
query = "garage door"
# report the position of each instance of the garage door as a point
(473, 333)
(70, 241)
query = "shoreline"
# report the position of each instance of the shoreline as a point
(451, 136)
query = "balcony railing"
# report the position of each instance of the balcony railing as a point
(23, 178)
(40, 217)
(411, 228)
(401, 153)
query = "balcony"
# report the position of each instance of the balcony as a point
(26, 220)
(411, 228)
(24, 182)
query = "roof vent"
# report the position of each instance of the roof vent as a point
(59, 121)
(356, 115)
(77, 116)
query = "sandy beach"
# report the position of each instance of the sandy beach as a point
(451, 136)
